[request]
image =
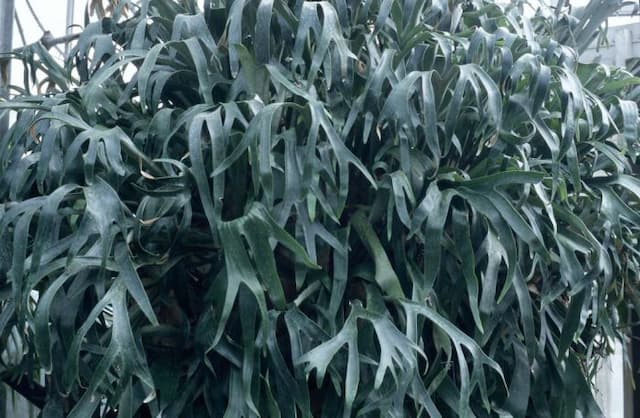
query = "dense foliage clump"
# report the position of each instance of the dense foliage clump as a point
(287, 208)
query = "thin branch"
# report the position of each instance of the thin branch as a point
(20, 29)
(49, 41)
(35, 16)
(40, 25)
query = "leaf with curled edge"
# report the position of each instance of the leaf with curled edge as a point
(385, 276)
(474, 76)
(464, 246)
(326, 32)
(123, 355)
(399, 108)
(252, 265)
(460, 339)
(319, 358)
(43, 341)
(398, 355)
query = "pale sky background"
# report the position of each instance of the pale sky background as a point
(53, 16)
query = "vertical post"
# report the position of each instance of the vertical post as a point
(7, 10)
(610, 382)
(70, 9)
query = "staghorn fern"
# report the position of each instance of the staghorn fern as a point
(318, 209)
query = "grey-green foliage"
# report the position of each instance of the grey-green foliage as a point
(287, 208)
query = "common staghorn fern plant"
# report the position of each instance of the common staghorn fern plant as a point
(287, 208)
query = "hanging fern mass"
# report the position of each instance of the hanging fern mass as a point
(287, 208)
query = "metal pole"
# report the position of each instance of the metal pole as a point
(70, 10)
(7, 11)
